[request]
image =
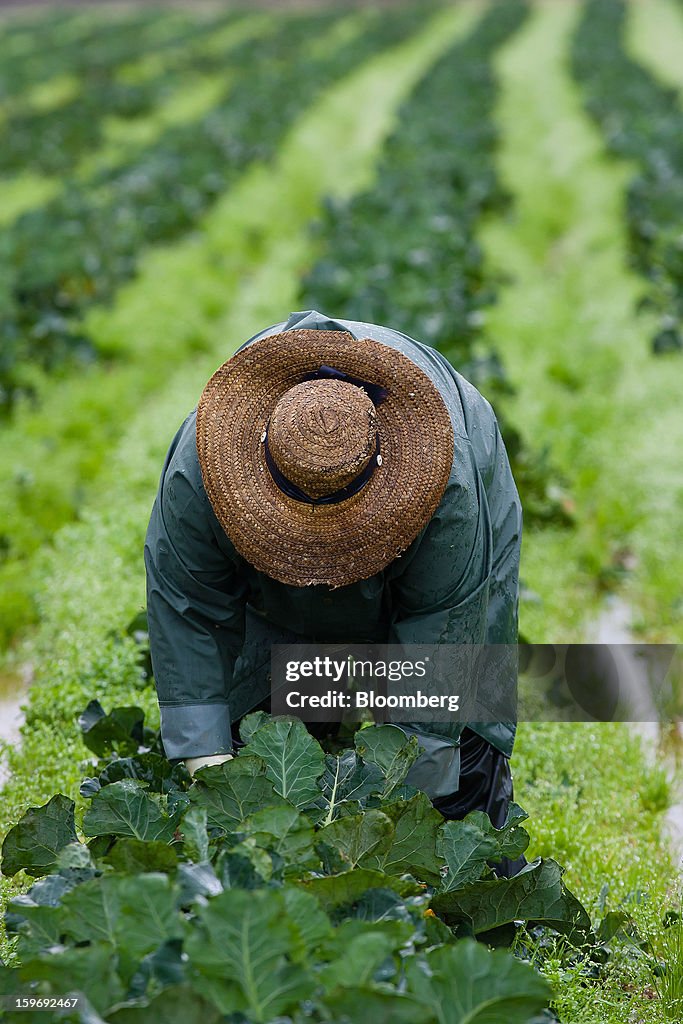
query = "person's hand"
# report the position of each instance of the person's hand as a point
(193, 763)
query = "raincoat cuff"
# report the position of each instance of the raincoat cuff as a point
(195, 730)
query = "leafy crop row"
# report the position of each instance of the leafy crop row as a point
(56, 49)
(77, 250)
(405, 253)
(18, 34)
(51, 141)
(641, 120)
(289, 884)
(154, 323)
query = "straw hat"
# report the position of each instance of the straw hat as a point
(323, 455)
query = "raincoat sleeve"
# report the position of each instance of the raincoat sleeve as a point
(506, 534)
(497, 685)
(442, 593)
(195, 606)
(440, 596)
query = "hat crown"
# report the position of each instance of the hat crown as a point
(335, 538)
(322, 434)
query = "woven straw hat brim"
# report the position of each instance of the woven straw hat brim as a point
(301, 544)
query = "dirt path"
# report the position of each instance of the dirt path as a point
(614, 627)
(14, 686)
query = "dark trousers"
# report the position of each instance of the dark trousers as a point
(485, 785)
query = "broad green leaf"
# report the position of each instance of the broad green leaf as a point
(46, 892)
(139, 909)
(178, 1004)
(90, 912)
(436, 932)
(337, 890)
(413, 849)
(331, 860)
(512, 838)
(240, 949)
(89, 969)
(131, 856)
(148, 914)
(294, 760)
(466, 849)
(89, 786)
(383, 905)
(388, 747)
(134, 914)
(196, 880)
(358, 960)
(126, 809)
(400, 933)
(76, 864)
(91, 715)
(194, 833)
(311, 923)
(616, 922)
(250, 724)
(404, 792)
(38, 927)
(35, 841)
(537, 893)
(284, 831)
(365, 1005)
(231, 791)
(160, 775)
(347, 778)
(260, 859)
(237, 868)
(100, 846)
(468, 984)
(161, 968)
(119, 732)
(75, 857)
(468, 845)
(360, 838)
(177, 802)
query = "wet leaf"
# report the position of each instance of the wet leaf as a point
(35, 841)
(126, 809)
(468, 984)
(294, 760)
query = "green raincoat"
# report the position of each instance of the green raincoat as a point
(213, 617)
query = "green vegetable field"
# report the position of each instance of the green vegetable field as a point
(501, 179)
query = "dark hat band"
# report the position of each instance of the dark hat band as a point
(292, 491)
(375, 392)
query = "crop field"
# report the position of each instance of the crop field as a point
(501, 179)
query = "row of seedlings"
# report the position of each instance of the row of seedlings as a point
(62, 258)
(50, 140)
(641, 120)
(406, 253)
